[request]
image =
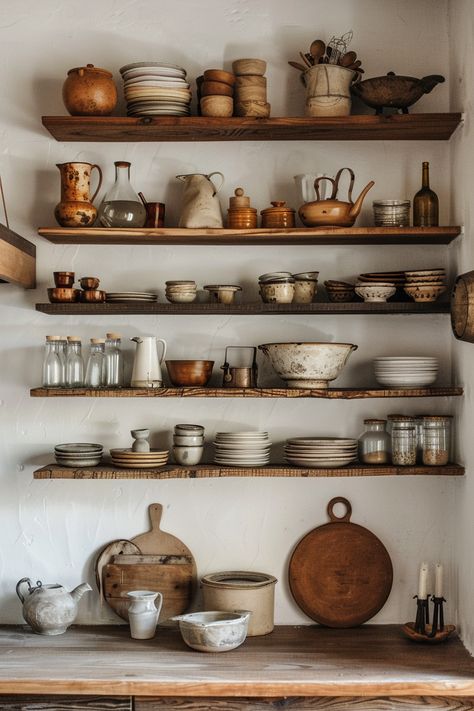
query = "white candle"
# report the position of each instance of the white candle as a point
(423, 582)
(439, 580)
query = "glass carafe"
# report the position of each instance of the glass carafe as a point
(74, 363)
(113, 361)
(95, 365)
(52, 363)
(121, 206)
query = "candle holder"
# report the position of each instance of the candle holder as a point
(438, 616)
(421, 630)
(422, 614)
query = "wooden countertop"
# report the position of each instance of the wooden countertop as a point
(292, 661)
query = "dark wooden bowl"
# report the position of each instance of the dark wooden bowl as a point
(408, 630)
(189, 372)
(61, 295)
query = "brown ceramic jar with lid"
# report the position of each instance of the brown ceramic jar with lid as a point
(89, 91)
(278, 216)
(240, 215)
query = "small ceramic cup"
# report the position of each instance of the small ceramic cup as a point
(278, 292)
(305, 289)
(189, 430)
(188, 440)
(188, 456)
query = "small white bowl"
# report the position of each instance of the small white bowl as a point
(188, 440)
(375, 292)
(188, 456)
(189, 430)
(181, 298)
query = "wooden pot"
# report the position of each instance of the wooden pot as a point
(462, 307)
(89, 91)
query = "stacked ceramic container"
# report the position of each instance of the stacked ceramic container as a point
(242, 449)
(250, 96)
(155, 89)
(128, 459)
(406, 371)
(181, 292)
(425, 285)
(78, 454)
(216, 93)
(320, 452)
(277, 287)
(391, 213)
(188, 444)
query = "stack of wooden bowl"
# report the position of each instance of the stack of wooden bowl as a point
(216, 92)
(251, 88)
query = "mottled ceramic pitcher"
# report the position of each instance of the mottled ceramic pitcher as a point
(200, 208)
(76, 208)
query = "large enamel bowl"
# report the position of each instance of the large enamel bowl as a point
(308, 365)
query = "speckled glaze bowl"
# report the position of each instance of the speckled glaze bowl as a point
(214, 631)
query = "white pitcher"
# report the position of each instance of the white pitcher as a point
(305, 185)
(201, 207)
(146, 366)
(143, 613)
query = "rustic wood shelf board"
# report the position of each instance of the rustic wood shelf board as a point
(258, 236)
(258, 308)
(214, 471)
(17, 259)
(372, 660)
(329, 394)
(397, 127)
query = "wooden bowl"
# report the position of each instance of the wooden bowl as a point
(256, 109)
(219, 75)
(62, 295)
(251, 93)
(92, 296)
(64, 279)
(89, 282)
(216, 88)
(184, 373)
(249, 66)
(221, 106)
(408, 630)
(250, 80)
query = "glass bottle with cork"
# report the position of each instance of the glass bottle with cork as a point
(121, 206)
(425, 202)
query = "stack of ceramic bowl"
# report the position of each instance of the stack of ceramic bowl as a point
(320, 452)
(155, 89)
(134, 296)
(128, 459)
(339, 291)
(181, 292)
(216, 91)
(188, 441)
(242, 449)
(306, 285)
(391, 213)
(425, 285)
(78, 454)
(406, 371)
(375, 292)
(250, 88)
(277, 287)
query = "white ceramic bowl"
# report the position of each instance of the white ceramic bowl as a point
(188, 456)
(189, 429)
(308, 365)
(375, 293)
(214, 631)
(188, 440)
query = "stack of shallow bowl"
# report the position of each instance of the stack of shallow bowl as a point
(181, 292)
(391, 213)
(156, 89)
(406, 371)
(320, 452)
(78, 454)
(217, 93)
(242, 449)
(306, 285)
(339, 291)
(128, 459)
(425, 285)
(277, 287)
(188, 441)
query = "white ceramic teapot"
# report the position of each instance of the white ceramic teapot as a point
(147, 366)
(201, 207)
(49, 609)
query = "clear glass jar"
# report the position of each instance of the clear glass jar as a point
(52, 363)
(113, 361)
(74, 363)
(404, 446)
(436, 440)
(96, 364)
(121, 206)
(374, 443)
(63, 356)
(419, 438)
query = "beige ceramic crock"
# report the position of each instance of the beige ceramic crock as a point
(240, 590)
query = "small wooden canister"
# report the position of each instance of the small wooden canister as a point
(278, 216)
(240, 216)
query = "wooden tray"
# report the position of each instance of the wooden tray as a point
(340, 574)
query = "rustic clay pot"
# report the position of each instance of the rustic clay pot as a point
(89, 91)
(75, 208)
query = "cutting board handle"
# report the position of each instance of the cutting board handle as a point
(339, 500)
(155, 511)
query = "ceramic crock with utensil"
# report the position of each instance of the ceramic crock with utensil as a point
(328, 90)
(146, 365)
(333, 211)
(200, 206)
(75, 208)
(240, 377)
(49, 609)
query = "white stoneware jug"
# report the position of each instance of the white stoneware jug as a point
(305, 186)
(147, 366)
(49, 609)
(143, 613)
(201, 207)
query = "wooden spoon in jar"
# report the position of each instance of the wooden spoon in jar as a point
(348, 59)
(305, 60)
(297, 65)
(317, 50)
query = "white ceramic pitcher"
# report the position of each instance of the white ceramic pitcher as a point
(143, 613)
(201, 207)
(305, 186)
(147, 366)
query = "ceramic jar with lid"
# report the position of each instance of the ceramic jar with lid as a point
(374, 443)
(436, 440)
(240, 215)
(89, 91)
(278, 216)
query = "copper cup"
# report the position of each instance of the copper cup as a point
(64, 279)
(155, 214)
(89, 282)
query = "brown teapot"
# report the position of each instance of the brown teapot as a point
(333, 212)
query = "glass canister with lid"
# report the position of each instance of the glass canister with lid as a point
(403, 444)
(436, 440)
(374, 443)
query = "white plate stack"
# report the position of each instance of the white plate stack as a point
(320, 452)
(406, 371)
(242, 449)
(156, 89)
(122, 296)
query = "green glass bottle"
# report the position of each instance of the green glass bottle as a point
(425, 202)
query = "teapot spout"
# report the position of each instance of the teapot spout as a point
(78, 592)
(428, 83)
(356, 207)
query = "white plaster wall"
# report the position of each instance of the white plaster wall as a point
(52, 530)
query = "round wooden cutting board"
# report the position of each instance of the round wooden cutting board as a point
(340, 574)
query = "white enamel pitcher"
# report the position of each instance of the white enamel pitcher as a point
(305, 187)
(201, 207)
(147, 366)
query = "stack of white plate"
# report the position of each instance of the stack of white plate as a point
(121, 296)
(242, 449)
(127, 459)
(78, 454)
(406, 371)
(156, 89)
(320, 452)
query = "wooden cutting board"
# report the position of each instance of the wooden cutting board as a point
(164, 564)
(340, 574)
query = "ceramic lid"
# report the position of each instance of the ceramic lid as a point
(238, 579)
(91, 69)
(240, 200)
(278, 207)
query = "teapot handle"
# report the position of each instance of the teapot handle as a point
(336, 181)
(18, 586)
(316, 186)
(216, 190)
(164, 344)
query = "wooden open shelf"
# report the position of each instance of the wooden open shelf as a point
(258, 308)
(287, 393)
(207, 471)
(397, 127)
(17, 259)
(258, 236)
